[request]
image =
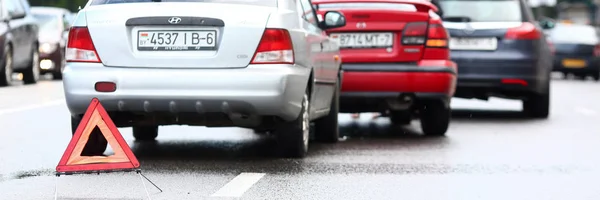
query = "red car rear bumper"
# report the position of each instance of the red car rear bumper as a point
(428, 76)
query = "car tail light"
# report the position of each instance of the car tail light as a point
(597, 50)
(553, 49)
(419, 33)
(80, 47)
(527, 31)
(275, 47)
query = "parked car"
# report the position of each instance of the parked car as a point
(265, 65)
(577, 49)
(500, 51)
(18, 37)
(395, 61)
(53, 24)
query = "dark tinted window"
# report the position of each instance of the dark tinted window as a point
(484, 10)
(271, 3)
(562, 33)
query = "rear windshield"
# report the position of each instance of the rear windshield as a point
(368, 6)
(483, 11)
(270, 3)
(574, 34)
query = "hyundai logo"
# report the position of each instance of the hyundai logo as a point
(174, 20)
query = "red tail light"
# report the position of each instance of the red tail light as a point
(526, 31)
(275, 47)
(80, 47)
(419, 33)
(597, 50)
(552, 48)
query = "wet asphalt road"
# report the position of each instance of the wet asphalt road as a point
(491, 152)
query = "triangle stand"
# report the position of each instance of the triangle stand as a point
(122, 161)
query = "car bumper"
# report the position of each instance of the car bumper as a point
(262, 90)
(591, 64)
(499, 76)
(377, 87)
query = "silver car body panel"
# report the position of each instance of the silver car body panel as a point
(152, 81)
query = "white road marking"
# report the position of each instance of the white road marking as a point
(585, 111)
(238, 185)
(30, 107)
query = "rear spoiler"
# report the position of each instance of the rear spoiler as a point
(421, 5)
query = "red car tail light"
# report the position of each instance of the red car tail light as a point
(419, 33)
(597, 50)
(80, 47)
(437, 36)
(527, 31)
(275, 47)
(414, 33)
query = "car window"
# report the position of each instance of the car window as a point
(309, 13)
(368, 6)
(47, 22)
(483, 10)
(270, 3)
(13, 6)
(574, 34)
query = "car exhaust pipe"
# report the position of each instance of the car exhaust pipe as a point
(402, 102)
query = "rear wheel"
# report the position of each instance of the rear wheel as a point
(145, 133)
(595, 75)
(292, 137)
(96, 144)
(435, 117)
(537, 105)
(326, 128)
(6, 69)
(57, 75)
(400, 117)
(32, 74)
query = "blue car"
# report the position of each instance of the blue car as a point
(500, 51)
(577, 50)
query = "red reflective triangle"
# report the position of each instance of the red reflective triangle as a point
(96, 116)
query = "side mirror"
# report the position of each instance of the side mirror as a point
(16, 15)
(546, 24)
(333, 19)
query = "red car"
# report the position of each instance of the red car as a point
(396, 61)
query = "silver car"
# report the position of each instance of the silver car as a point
(260, 64)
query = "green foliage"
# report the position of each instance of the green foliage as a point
(72, 5)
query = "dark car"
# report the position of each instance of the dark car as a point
(577, 50)
(53, 22)
(500, 51)
(18, 36)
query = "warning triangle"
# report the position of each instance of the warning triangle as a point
(73, 162)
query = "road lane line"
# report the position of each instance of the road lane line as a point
(30, 107)
(585, 111)
(238, 185)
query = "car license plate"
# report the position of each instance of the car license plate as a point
(573, 63)
(363, 40)
(177, 40)
(473, 43)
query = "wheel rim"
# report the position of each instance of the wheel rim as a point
(305, 120)
(8, 67)
(36, 65)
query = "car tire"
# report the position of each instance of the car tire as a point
(6, 69)
(32, 74)
(292, 137)
(435, 117)
(596, 75)
(400, 117)
(327, 129)
(96, 144)
(537, 105)
(145, 133)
